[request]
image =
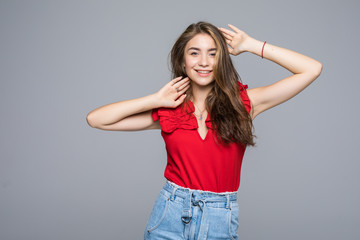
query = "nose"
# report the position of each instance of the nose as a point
(204, 60)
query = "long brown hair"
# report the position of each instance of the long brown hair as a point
(229, 118)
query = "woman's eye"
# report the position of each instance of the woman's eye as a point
(193, 53)
(212, 54)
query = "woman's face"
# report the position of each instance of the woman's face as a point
(199, 59)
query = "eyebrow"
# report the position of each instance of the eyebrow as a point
(198, 49)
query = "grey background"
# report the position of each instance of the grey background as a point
(61, 179)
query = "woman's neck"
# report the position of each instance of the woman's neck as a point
(199, 94)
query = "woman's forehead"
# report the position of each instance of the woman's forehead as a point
(201, 41)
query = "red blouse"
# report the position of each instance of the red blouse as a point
(197, 163)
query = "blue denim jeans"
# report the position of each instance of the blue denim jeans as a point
(181, 213)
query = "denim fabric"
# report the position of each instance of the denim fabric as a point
(181, 213)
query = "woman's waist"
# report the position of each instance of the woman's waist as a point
(182, 192)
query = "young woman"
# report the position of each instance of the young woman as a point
(205, 115)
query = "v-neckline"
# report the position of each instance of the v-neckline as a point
(197, 123)
(197, 130)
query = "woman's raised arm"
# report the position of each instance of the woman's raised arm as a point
(135, 114)
(305, 69)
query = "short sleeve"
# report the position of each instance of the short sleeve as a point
(244, 96)
(155, 114)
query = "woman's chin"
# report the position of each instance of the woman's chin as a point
(202, 82)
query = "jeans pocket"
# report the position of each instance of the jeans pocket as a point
(234, 222)
(158, 213)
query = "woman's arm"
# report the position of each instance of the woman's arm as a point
(305, 70)
(135, 114)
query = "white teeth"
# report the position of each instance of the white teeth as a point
(204, 71)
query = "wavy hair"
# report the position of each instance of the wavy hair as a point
(229, 118)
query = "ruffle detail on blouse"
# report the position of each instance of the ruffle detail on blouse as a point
(244, 97)
(171, 119)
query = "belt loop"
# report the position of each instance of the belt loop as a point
(186, 215)
(173, 193)
(228, 201)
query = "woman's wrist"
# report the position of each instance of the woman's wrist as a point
(154, 100)
(255, 46)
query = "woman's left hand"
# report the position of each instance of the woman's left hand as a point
(236, 39)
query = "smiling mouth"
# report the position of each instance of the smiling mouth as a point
(203, 71)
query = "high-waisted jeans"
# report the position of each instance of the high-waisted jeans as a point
(181, 213)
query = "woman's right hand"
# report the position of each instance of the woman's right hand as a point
(173, 93)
